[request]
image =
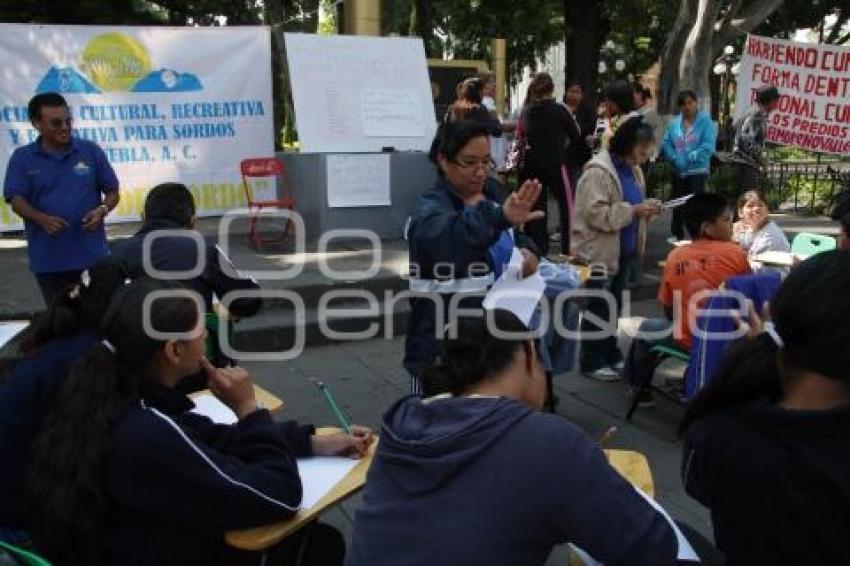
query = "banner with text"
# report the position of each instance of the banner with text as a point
(814, 84)
(165, 104)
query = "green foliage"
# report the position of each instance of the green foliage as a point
(464, 28)
(638, 31)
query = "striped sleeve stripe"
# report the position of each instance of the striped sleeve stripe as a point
(218, 470)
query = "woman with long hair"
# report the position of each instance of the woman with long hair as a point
(549, 129)
(123, 472)
(62, 334)
(766, 441)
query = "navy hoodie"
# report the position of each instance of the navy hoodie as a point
(26, 397)
(489, 481)
(777, 482)
(176, 481)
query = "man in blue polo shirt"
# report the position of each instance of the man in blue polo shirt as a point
(63, 187)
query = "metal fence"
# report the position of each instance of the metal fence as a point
(806, 185)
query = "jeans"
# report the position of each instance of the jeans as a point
(683, 186)
(597, 353)
(640, 362)
(52, 284)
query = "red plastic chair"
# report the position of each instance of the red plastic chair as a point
(265, 167)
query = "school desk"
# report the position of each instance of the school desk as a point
(634, 467)
(260, 538)
(264, 398)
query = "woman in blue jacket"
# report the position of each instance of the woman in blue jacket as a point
(123, 473)
(688, 145)
(64, 333)
(451, 231)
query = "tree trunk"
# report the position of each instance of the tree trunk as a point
(585, 34)
(311, 22)
(693, 45)
(421, 25)
(275, 15)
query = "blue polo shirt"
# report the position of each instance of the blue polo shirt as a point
(68, 185)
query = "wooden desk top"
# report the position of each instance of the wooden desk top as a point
(634, 467)
(263, 537)
(266, 399)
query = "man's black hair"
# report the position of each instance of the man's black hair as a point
(39, 101)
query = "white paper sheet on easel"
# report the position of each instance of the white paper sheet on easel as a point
(390, 112)
(9, 330)
(514, 293)
(358, 180)
(319, 475)
(209, 406)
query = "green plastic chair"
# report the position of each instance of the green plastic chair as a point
(24, 556)
(670, 352)
(806, 244)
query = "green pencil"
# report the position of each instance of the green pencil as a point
(346, 426)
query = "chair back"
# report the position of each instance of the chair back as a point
(257, 167)
(807, 244)
(22, 556)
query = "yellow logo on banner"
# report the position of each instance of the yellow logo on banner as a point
(115, 62)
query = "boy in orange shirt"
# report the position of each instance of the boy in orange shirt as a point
(703, 265)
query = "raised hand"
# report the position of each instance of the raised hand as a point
(233, 386)
(519, 208)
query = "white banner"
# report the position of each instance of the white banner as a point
(814, 84)
(165, 104)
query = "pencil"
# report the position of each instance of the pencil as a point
(326, 393)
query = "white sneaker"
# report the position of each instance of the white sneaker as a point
(619, 366)
(554, 237)
(604, 374)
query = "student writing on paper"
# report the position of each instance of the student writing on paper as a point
(170, 207)
(124, 473)
(755, 232)
(767, 442)
(64, 333)
(477, 475)
(703, 265)
(451, 232)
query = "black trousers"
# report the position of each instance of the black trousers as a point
(747, 177)
(553, 182)
(683, 186)
(51, 284)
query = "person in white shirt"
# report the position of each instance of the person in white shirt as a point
(755, 231)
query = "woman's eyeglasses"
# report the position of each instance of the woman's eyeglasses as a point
(472, 164)
(57, 123)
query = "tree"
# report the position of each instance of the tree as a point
(701, 30)
(586, 30)
(463, 29)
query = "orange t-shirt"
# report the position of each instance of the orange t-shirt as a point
(700, 266)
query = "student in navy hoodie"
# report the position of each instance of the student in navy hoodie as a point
(65, 332)
(123, 473)
(767, 442)
(475, 474)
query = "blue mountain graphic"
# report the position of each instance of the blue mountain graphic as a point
(167, 80)
(65, 79)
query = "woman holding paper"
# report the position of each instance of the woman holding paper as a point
(688, 145)
(609, 233)
(124, 473)
(451, 232)
(476, 474)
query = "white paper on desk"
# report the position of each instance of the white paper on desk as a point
(677, 201)
(209, 406)
(9, 330)
(686, 551)
(514, 293)
(785, 259)
(319, 475)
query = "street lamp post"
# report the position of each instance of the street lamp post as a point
(723, 70)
